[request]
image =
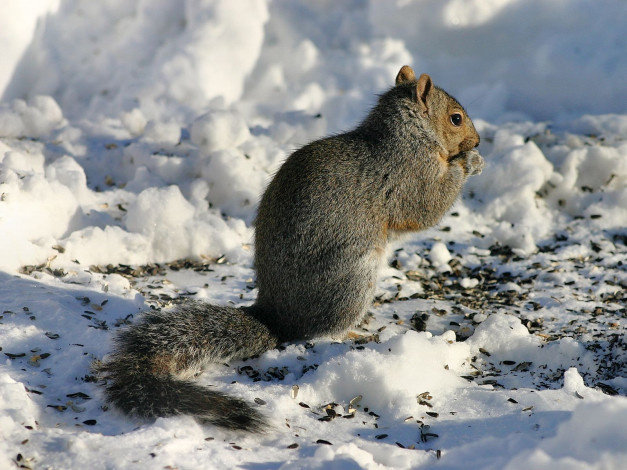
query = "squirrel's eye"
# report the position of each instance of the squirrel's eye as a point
(456, 119)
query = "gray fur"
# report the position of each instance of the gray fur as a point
(321, 231)
(148, 373)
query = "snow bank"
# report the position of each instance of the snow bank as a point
(21, 21)
(17, 412)
(33, 118)
(388, 376)
(599, 424)
(165, 58)
(516, 58)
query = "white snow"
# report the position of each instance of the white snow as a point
(439, 255)
(141, 133)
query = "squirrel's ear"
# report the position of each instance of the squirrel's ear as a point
(423, 88)
(406, 74)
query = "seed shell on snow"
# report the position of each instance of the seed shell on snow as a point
(355, 401)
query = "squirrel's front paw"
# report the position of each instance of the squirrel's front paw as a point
(472, 162)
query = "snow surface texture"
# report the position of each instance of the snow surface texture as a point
(136, 134)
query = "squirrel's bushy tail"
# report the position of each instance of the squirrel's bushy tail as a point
(148, 373)
(149, 395)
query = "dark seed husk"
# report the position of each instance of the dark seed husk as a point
(81, 395)
(58, 407)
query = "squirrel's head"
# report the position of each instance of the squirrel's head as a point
(447, 118)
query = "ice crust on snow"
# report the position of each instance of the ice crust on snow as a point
(153, 140)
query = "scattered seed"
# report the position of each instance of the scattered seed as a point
(322, 441)
(607, 389)
(23, 462)
(80, 395)
(522, 367)
(76, 408)
(355, 401)
(426, 436)
(58, 407)
(14, 356)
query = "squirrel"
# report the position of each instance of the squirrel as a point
(321, 233)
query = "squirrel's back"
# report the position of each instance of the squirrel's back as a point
(319, 240)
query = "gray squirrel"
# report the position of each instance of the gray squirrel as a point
(321, 233)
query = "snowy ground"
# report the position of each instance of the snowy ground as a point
(135, 140)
